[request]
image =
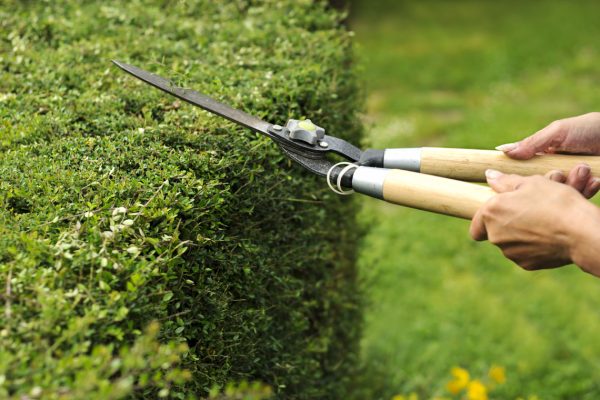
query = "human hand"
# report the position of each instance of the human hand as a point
(579, 178)
(579, 135)
(537, 223)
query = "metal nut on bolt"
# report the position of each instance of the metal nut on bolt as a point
(305, 131)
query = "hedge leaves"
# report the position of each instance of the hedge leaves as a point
(147, 248)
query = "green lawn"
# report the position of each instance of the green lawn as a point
(472, 74)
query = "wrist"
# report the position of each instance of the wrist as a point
(584, 234)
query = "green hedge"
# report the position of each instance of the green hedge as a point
(148, 249)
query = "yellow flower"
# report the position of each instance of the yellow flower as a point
(497, 374)
(476, 391)
(460, 381)
(412, 396)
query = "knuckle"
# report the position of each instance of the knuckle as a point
(487, 215)
(488, 212)
(557, 126)
(594, 114)
(492, 205)
(495, 241)
(534, 181)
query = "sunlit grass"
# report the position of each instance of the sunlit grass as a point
(473, 74)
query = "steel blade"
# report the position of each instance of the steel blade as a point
(198, 99)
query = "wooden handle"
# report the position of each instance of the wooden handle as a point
(433, 193)
(470, 165)
(425, 192)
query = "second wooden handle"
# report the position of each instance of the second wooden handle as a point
(433, 193)
(425, 192)
(470, 165)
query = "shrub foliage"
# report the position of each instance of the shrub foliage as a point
(147, 248)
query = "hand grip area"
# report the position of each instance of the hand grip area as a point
(470, 165)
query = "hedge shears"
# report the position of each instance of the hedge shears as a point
(427, 178)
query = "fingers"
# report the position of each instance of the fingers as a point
(477, 229)
(579, 177)
(556, 176)
(592, 187)
(582, 180)
(545, 140)
(503, 182)
(500, 183)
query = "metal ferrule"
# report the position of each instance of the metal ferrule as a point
(406, 159)
(369, 181)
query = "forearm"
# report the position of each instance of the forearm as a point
(585, 248)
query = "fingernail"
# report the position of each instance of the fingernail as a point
(492, 174)
(583, 171)
(556, 176)
(592, 189)
(507, 147)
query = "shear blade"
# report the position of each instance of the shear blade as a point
(198, 99)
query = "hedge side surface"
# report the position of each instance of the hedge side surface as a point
(147, 248)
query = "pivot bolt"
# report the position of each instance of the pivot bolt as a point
(324, 144)
(277, 127)
(305, 131)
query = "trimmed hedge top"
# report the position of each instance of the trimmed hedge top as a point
(148, 248)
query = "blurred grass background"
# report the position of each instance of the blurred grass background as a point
(472, 74)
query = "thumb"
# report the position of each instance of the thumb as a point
(503, 182)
